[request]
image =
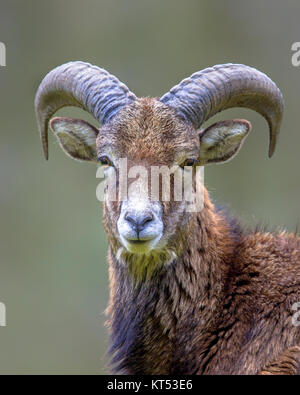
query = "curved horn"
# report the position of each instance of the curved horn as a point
(82, 85)
(218, 88)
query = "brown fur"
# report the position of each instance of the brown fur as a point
(287, 364)
(223, 306)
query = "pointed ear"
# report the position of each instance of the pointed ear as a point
(76, 137)
(221, 141)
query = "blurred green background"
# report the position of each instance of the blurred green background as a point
(53, 272)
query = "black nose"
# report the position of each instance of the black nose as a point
(139, 220)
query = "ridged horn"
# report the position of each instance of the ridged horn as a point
(81, 85)
(220, 87)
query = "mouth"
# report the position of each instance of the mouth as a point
(138, 242)
(139, 246)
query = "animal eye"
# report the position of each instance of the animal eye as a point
(188, 163)
(104, 161)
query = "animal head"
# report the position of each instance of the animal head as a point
(152, 133)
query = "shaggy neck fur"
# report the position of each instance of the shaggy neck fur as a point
(159, 325)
